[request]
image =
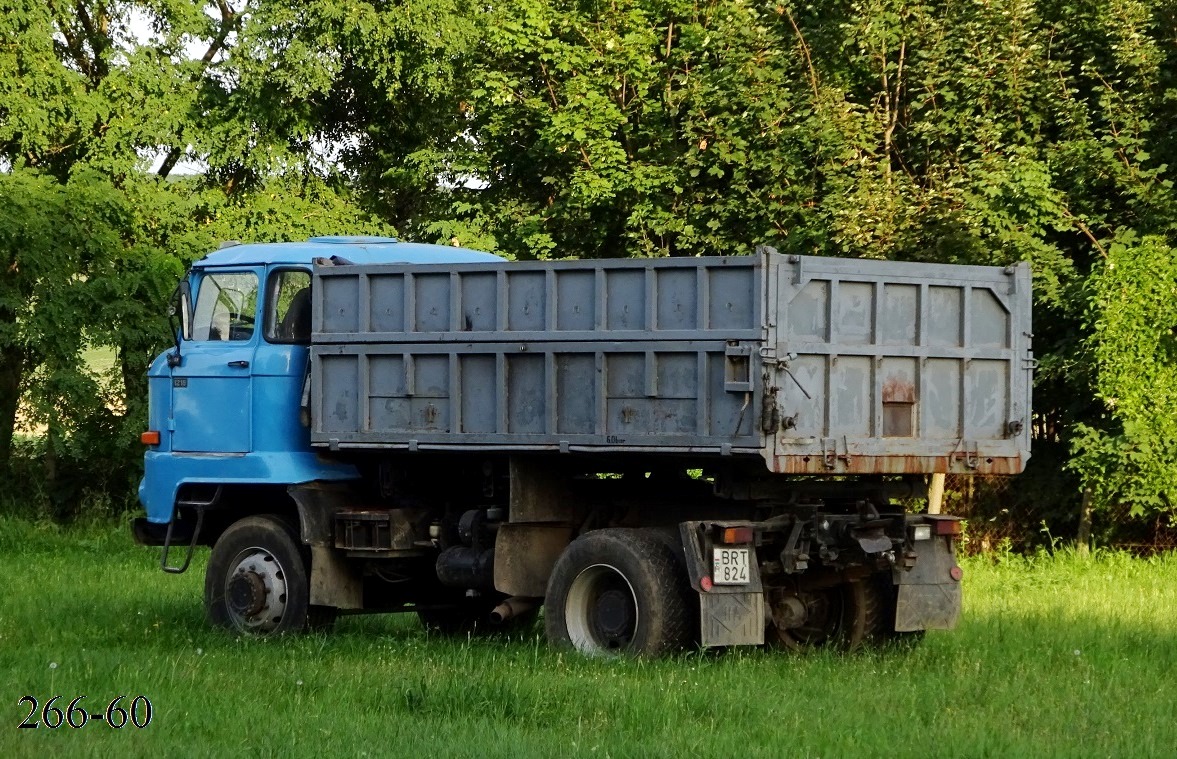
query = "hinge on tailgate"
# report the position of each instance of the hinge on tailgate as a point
(770, 412)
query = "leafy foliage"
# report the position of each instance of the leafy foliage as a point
(958, 132)
(938, 130)
(1133, 342)
(93, 241)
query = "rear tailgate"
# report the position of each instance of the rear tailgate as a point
(895, 367)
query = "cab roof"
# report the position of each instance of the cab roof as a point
(359, 250)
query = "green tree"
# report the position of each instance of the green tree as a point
(1130, 455)
(944, 131)
(636, 128)
(94, 239)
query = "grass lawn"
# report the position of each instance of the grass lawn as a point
(1054, 657)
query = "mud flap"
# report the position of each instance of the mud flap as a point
(732, 619)
(729, 615)
(334, 581)
(929, 593)
(927, 607)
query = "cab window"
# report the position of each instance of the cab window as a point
(225, 307)
(288, 315)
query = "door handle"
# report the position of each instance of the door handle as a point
(239, 364)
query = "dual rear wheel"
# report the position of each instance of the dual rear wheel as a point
(626, 592)
(620, 591)
(842, 616)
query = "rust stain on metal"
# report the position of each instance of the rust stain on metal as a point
(892, 464)
(898, 390)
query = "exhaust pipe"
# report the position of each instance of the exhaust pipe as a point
(512, 607)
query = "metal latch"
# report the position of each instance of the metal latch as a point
(970, 454)
(737, 367)
(830, 455)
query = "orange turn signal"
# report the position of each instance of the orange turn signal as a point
(151, 437)
(736, 535)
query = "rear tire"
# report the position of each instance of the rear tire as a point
(619, 591)
(841, 617)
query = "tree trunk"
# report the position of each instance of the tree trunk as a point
(1083, 540)
(133, 369)
(11, 370)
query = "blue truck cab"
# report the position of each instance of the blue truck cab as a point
(224, 402)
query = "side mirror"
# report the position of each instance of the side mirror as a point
(185, 306)
(181, 302)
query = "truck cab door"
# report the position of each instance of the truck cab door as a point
(280, 363)
(212, 386)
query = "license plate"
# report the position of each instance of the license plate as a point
(730, 566)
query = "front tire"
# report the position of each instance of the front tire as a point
(257, 579)
(619, 591)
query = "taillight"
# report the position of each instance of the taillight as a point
(151, 437)
(949, 526)
(732, 535)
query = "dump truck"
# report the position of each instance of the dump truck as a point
(660, 453)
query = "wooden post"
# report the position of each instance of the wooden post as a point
(936, 493)
(1083, 540)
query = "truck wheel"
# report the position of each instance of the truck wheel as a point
(841, 617)
(619, 591)
(256, 582)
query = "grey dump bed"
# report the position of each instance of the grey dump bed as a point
(818, 365)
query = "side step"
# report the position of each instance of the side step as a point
(200, 507)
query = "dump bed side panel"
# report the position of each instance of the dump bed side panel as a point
(657, 355)
(888, 367)
(820, 365)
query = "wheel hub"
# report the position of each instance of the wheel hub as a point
(247, 593)
(255, 591)
(601, 611)
(615, 613)
(817, 617)
(789, 612)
